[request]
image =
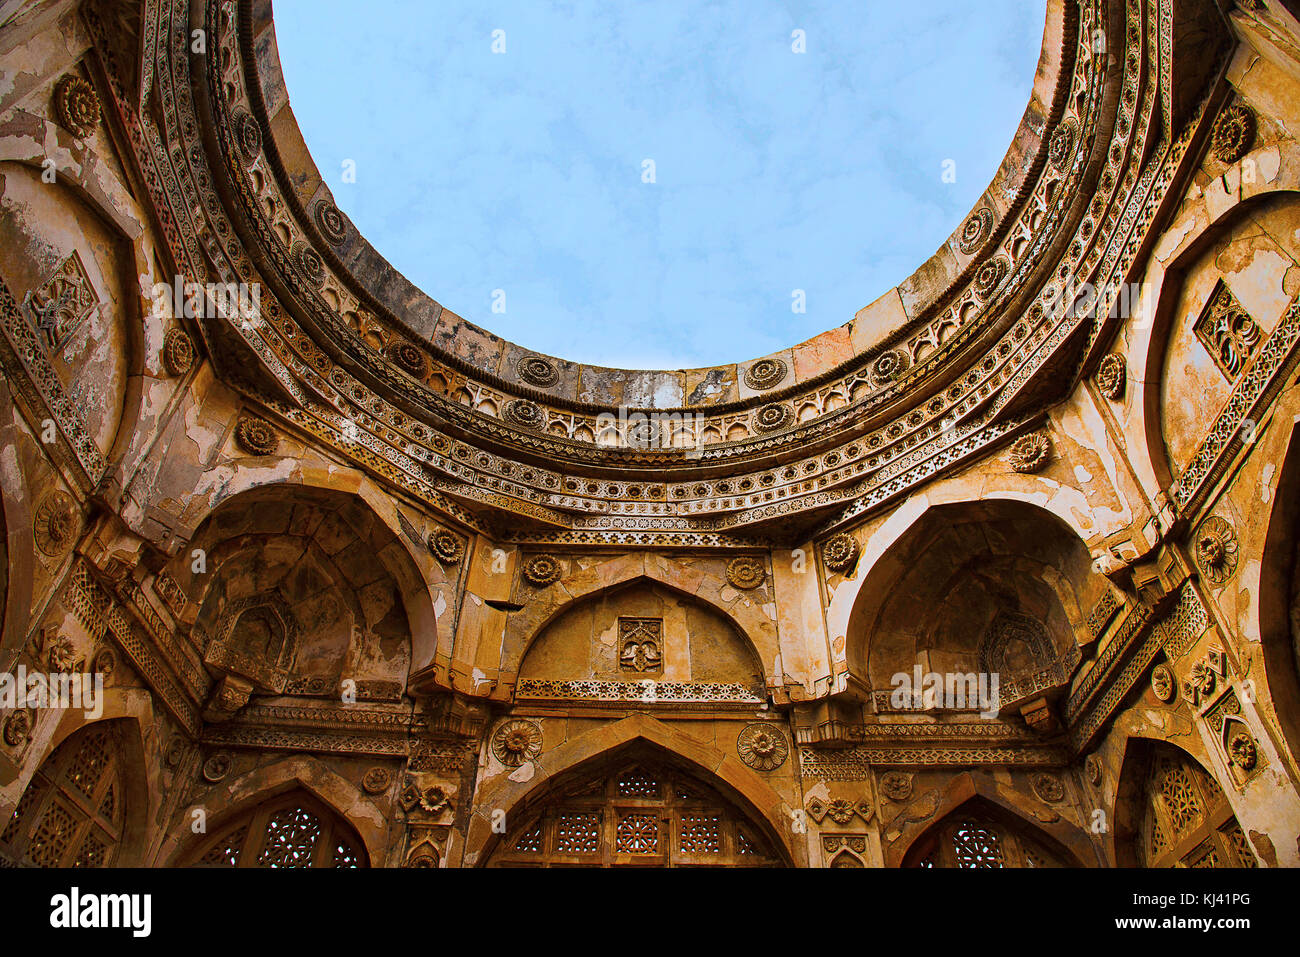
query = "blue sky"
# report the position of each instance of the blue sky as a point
(774, 171)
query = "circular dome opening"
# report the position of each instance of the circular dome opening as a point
(657, 185)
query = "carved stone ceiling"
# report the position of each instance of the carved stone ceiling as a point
(345, 350)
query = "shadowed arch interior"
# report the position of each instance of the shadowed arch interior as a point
(973, 586)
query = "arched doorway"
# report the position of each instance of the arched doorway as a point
(1174, 814)
(636, 810)
(73, 811)
(290, 830)
(980, 835)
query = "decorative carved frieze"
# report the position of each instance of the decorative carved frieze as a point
(648, 691)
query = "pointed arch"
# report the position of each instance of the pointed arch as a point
(725, 772)
(88, 803)
(262, 787)
(1170, 811)
(16, 525)
(1051, 551)
(1278, 610)
(745, 614)
(290, 829)
(1204, 219)
(978, 789)
(412, 569)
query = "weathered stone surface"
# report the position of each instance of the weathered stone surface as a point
(924, 499)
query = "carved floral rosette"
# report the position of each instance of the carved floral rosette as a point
(104, 662)
(1162, 683)
(1092, 769)
(536, 370)
(746, 572)
(989, 276)
(1243, 751)
(1048, 787)
(1216, 549)
(516, 742)
(376, 780)
(410, 359)
(542, 570)
(330, 222)
(255, 436)
(435, 799)
(446, 546)
(840, 552)
(889, 365)
(177, 352)
(55, 525)
(976, 230)
(249, 134)
(309, 261)
(523, 413)
(60, 653)
(1234, 132)
(896, 785)
(1112, 376)
(77, 105)
(1062, 144)
(765, 373)
(769, 418)
(1030, 453)
(217, 767)
(17, 728)
(762, 746)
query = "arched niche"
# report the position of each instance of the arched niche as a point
(643, 630)
(970, 587)
(982, 834)
(1171, 812)
(750, 618)
(298, 589)
(69, 271)
(635, 806)
(1219, 301)
(291, 829)
(1279, 597)
(85, 806)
